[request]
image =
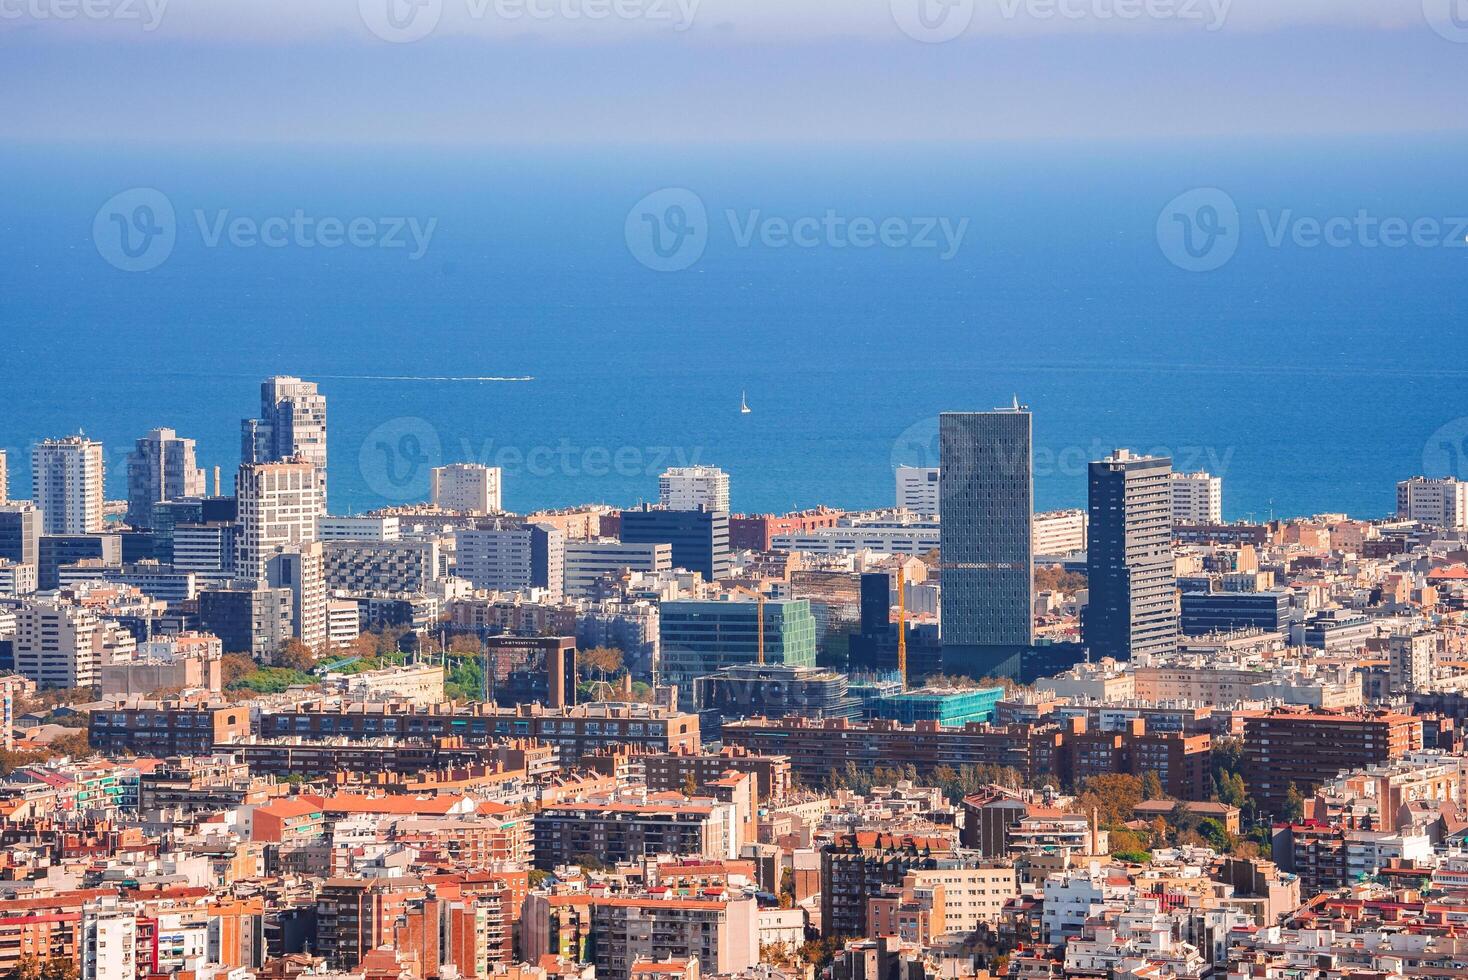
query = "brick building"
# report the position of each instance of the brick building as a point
(1305, 748)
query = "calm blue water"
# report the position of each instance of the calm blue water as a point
(1311, 378)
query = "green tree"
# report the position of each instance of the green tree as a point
(1152, 786)
(1294, 804)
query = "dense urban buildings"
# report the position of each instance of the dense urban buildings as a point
(245, 739)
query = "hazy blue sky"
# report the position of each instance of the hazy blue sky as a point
(682, 71)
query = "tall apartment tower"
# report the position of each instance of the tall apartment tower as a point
(278, 507)
(67, 479)
(292, 425)
(467, 487)
(4, 477)
(986, 496)
(917, 489)
(161, 467)
(1442, 503)
(1197, 498)
(301, 568)
(694, 488)
(1131, 579)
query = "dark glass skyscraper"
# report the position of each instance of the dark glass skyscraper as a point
(986, 496)
(1130, 575)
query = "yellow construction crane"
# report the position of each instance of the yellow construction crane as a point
(902, 624)
(760, 598)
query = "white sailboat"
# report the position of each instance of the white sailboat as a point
(744, 408)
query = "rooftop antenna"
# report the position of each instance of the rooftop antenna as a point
(1016, 401)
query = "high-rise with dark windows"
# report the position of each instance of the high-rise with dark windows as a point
(986, 497)
(1131, 583)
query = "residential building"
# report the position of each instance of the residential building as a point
(506, 556)
(279, 504)
(301, 570)
(291, 426)
(467, 488)
(62, 645)
(166, 728)
(1305, 748)
(1132, 605)
(586, 562)
(254, 621)
(986, 491)
(694, 488)
(1441, 502)
(161, 467)
(1197, 498)
(362, 566)
(68, 484)
(620, 833)
(917, 490)
(384, 528)
(1060, 532)
(575, 730)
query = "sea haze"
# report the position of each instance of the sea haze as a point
(1312, 378)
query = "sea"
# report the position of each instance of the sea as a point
(1287, 314)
